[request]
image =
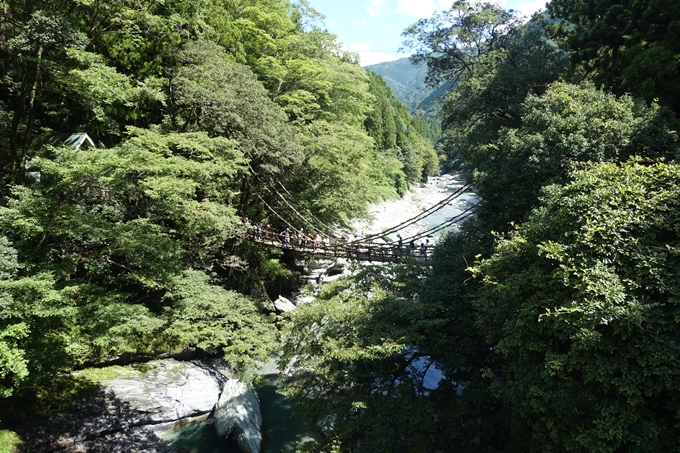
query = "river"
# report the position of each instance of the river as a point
(281, 428)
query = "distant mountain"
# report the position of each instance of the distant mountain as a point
(429, 105)
(408, 83)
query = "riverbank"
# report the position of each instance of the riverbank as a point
(389, 213)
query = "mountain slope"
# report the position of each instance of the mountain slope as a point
(406, 80)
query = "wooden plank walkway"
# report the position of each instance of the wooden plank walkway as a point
(360, 251)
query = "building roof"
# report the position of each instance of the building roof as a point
(74, 141)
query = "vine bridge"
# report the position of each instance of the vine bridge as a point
(323, 244)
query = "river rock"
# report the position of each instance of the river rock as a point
(283, 305)
(121, 415)
(318, 264)
(339, 266)
(171, 390)
(238, 413)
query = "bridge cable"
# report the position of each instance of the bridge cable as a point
(298, 202)
(270, 208)
(314, 227)
(421, 215)
(455, 219)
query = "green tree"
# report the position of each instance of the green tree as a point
(581, 303)
(355, 378)
(568, 124)
(626, 46)
(451, 42)
(117, 243)
(399, 134)
(34, 38)
(489, 97)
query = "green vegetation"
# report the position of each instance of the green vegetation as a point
(9, 441)
(406, 80)
(198, 113)
(549, 322)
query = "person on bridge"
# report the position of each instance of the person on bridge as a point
(286, 237)
(423, 249)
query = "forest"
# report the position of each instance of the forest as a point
(551, 316)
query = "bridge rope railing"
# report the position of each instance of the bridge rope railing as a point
(361, 248)
(268, 186)
(351, 249)
(337, 249)
(300, 205)
(255, 230)
(452, 221)
(418, 217)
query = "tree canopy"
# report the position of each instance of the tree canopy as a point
(201, 113)
(548, 321)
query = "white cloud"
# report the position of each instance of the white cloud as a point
(359, 22)
(416, 8)
(376, 7)
(527, 8)
(368, 57)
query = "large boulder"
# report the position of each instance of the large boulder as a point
(170, 390)
(339, 266)
(283, 305)
(122, 414)
(238, 414)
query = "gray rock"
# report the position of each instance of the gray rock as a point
(171, 390)
(318, 264)
(304, 299)
(333, 278)
(238, 412)
(339, 266)
(283, 305)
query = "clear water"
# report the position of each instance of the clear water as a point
(281, 428)
(457, 206)
(201, 437)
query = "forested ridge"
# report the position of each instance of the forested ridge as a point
(548, 322)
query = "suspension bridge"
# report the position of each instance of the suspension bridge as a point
(321, 242)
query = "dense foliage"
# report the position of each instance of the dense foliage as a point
(200, 113)
(582, 302)
(549, 322)
(627, 46)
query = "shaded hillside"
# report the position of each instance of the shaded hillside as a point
(406, 80)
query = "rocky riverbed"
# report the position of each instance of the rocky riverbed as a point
(389, 213)
(141, 407)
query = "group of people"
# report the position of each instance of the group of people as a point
(303, 239)
(290, 238)
(424, 246)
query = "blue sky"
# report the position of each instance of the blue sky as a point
(372, 28)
